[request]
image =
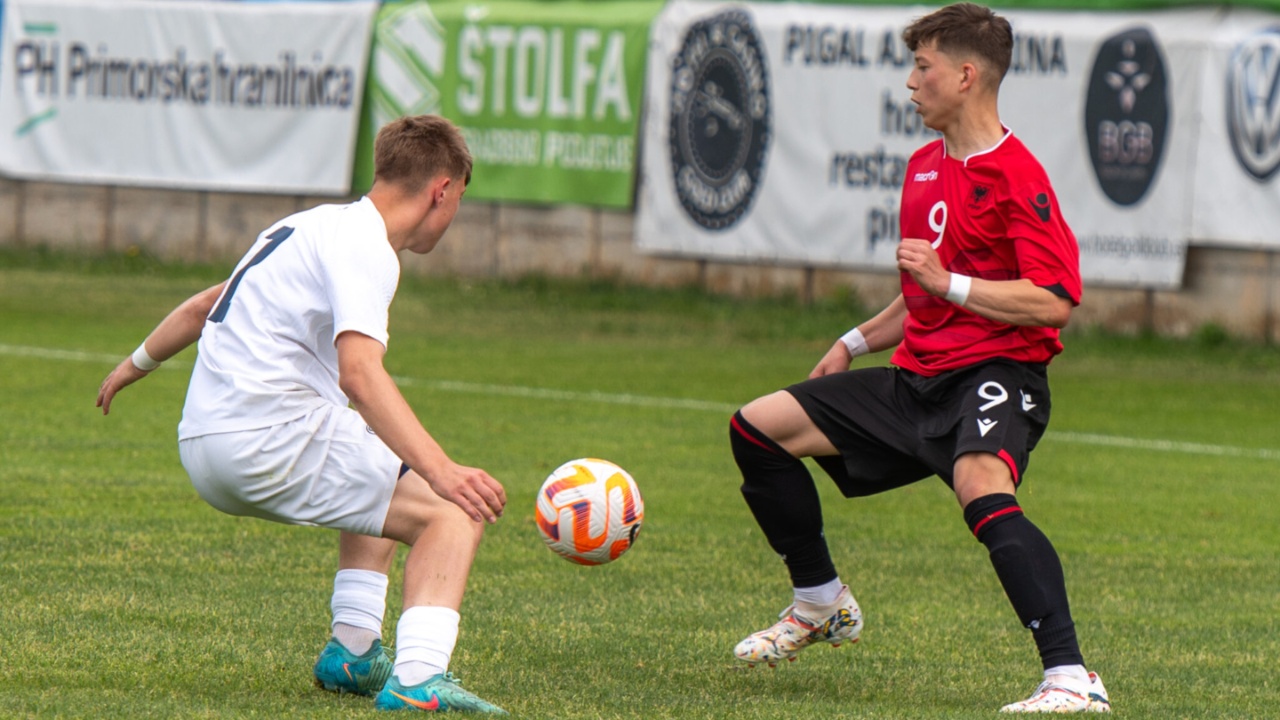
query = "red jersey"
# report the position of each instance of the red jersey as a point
(994, 216)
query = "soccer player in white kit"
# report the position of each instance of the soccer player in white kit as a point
(290, 415)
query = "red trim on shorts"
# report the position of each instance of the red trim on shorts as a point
(733, 422)
(1013, 466)
(999, 513)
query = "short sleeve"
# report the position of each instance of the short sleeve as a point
(361, 274)
(1045, 246)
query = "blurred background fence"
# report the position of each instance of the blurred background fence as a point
(746, 148)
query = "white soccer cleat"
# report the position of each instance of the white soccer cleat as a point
(1064, 697)
(795, 632)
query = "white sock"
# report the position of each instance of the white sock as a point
(356, 640)
(819, 596)
(359, 604)
(1074, 672)
(425, 638)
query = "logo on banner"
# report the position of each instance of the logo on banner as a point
(719, 119)
(1126, 114)
(408, 61)
(1253, 103)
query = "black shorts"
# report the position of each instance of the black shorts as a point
(894, 427)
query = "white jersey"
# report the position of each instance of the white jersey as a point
(267, 353)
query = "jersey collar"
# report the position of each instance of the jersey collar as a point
(1007, 134)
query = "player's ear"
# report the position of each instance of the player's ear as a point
(438, 188)
(969, 73)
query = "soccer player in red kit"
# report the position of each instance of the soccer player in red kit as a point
(990, 273)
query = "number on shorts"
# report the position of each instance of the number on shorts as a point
(994, 393)
(220, 312)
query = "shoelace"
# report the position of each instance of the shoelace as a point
(1046, 686)
(1043, 687)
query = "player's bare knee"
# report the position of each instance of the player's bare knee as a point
(449, 518)
(457, 521)
(779, 416)
(760, 410)
(979, 474)
(413, 511)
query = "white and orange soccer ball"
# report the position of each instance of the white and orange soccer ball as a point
(589, 511)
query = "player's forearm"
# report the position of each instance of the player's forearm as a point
(183, 326)
(1017, 302)
(884, 330)
(879, 333)
(375, 396)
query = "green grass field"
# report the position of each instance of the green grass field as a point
(122, 595)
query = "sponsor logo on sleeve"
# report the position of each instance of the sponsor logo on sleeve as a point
(719, 118)
(1126, 114)
(1043, 207)
(1253, 104)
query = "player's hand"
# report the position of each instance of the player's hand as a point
(918, 257)
(125, 374)
(836, 360)
(472, 489)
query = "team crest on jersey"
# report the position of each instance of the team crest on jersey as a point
(1040, 203)
(978, 196)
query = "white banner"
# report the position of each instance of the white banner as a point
(1237, 186)
(780, 132)
(202, 95)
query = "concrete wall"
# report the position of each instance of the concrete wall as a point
(1238, 290)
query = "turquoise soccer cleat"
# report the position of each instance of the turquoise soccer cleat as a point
(338, 670)
(440, 693)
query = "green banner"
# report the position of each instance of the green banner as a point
(548, 94)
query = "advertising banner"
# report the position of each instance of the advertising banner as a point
(781, 132)
(1237, 177)
(201, 95)
(547, 94)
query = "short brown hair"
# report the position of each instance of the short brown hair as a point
(412, 150)
(966, 29)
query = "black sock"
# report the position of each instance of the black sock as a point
(780, 492)
(1029, 570)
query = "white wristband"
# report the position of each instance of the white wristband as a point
(856, 343)
(958, 292)
(143, 360)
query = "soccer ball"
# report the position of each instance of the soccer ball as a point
(589, 511)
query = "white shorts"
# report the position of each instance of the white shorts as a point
(326, 468)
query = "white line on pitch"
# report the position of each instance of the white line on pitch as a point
(74, 355)
(521, 391)
(569, 395)
(1164, 445)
